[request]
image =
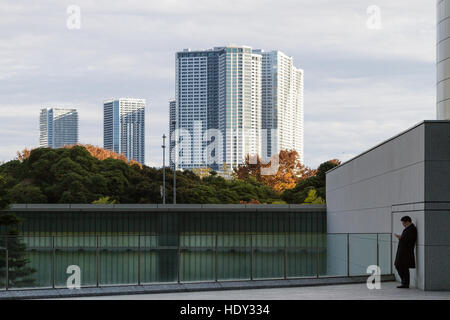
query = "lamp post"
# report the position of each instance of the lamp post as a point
(174, 122)
(164, 168)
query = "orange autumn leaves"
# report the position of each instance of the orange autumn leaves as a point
(96, 152)
(290, 171)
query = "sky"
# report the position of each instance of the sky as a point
(369, 65)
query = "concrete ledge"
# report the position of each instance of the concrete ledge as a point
(180, 208)
(183, 287)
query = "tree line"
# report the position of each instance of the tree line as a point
(87, 174)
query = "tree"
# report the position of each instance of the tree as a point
(74, 175)
(202, 172)
(3, 199)
(312, 197)
(102, 154)
(19, 273)
(289, 172)
(104, 200)
(26, 193)
(97, 152)
(301, 191)
(24, 154)
(252, 201)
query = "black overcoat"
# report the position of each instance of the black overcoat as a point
(405, 251)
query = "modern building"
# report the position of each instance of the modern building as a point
(407, 175)
(58, 127)
(443, 60)
(282, 104)
(124, 127)
(240, 104)
(172, 125)
(254, 136)
(218, 102)
(193, 91)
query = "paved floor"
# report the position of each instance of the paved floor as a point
(388, 291)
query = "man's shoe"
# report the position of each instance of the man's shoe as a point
(403, 287)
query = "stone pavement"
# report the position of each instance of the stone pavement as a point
(388, 291)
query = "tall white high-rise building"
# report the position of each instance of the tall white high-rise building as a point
(282, 104)
(255, 136)
(124, 127)
(58, 127)
(217, 90)
(172, 124)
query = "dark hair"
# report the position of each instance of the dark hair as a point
(406, 219)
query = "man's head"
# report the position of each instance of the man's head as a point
(406, 221)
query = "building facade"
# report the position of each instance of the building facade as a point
(58, 127)
(282, 104)
(124, 127)
(407, 175)
(172, 124)
(240, 104)
(218, 106)
(134, 244)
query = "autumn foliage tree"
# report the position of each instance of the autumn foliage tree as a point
(290, 170)
(74, 175)
(97, 152)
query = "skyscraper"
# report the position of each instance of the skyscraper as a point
(124, 127)
(58, 127)
(282, 104)
(217, 89)
(172, 124)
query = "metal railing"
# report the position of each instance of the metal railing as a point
(108, 260)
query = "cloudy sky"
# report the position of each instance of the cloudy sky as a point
(362, 84)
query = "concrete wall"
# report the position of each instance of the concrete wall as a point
(406, 175)
(443, 61)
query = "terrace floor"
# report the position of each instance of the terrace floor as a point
(357, 291)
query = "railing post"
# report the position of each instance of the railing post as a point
(251, 256)
(215, 257)
(378, 253)
(96, 261)
(285, 255)
(348, 255)
(7, 268)
(53, 262)
(139, 260)
(390, 253)
(179, 257)
(317, 255)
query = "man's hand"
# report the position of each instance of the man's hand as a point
(398, 236)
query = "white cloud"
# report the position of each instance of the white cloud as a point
(361, 85)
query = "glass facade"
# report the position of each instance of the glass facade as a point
(130, 247)
(58, 127)
(124, 127)
(217, 89)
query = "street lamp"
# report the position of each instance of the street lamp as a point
(164, 168)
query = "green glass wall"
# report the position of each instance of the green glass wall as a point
(145, 247)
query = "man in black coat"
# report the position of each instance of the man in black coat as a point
(405, 259)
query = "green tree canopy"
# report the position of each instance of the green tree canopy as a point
(74, 175)
(317, 183)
